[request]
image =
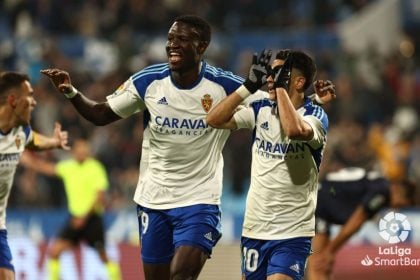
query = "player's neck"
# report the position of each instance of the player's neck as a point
(6, 120)
(185, 79)
(297, 99)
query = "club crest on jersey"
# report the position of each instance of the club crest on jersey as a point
(18, 142)
(206, 102)
(121, 88)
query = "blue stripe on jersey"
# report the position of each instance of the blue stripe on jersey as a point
(317, 155)
(145, 77)
(229, 81)
(151, 68)
(314, 110)
(256, 106)
(27, 129)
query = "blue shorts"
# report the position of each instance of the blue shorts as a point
(162, 231)
(5, 254)
(262, 258)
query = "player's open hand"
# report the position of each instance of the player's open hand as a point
(61, 137)
(325, 91)
(60, 79)
(258, 71)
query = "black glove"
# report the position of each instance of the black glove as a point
(257, 76)
(283, 54)
(282, 77)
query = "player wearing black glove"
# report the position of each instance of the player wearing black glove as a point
(283, 75)
(257, 76)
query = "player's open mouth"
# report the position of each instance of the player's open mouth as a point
(174, 57)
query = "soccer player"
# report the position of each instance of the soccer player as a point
(178, 192)
(289, 139)
(349, 197)
(85, 182)
(16, 104)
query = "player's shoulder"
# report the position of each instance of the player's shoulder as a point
(155, 71)
(311, 108)
(220, 75)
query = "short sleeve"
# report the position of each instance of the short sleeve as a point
(126, 101)
(245, 118)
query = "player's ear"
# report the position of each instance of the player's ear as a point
(11, 100)
(202, 46)
(300, 82)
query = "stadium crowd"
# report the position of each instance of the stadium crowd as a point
(373, 122)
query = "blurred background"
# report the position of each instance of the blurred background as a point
(369, 49)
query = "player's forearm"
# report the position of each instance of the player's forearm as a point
(354, 223)
(42, 142)
(97, 113)
(223, 112)
(41, 166)
(292, 123)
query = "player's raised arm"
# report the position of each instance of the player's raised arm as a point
(95, 112)
(221, 116)
(293, 124)
(324, 92)
(59, 140)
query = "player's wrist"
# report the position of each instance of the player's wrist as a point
(251, 86)
(243, 91)
(71, 93)
(318, 99)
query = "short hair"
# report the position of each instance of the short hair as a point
(9, 80)
(202, 26)
(302, 62)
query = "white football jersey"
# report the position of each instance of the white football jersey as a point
(282, 196)
(12, 145)
(182, 160)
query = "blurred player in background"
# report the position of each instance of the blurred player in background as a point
(289, 139)
(349, 197)
(85, 182)
(16, 104)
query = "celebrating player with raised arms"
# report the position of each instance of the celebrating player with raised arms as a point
(17, 101)
(289, 140)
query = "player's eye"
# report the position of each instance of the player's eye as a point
(273, 71)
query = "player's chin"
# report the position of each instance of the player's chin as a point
(175, 66)
(272, 94)
(25, 121)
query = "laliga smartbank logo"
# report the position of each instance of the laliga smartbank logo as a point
(394, 228)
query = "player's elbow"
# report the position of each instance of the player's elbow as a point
(213, 121)
(297, 133)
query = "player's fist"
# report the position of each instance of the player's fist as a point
(324, 90)
(257, 76)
